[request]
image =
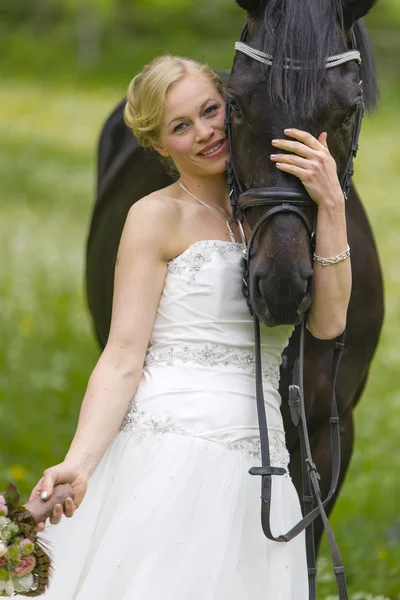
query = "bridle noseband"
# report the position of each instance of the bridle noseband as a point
(280, 200)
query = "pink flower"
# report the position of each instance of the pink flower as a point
(26, 565)
(3, 507)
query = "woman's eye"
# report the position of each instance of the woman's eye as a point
(211, 109)
(179, 127)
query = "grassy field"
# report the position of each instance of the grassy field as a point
(48, 135)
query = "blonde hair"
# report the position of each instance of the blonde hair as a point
(144, 110)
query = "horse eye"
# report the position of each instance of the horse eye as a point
(233, 103)
(350, 115)
(235, 108)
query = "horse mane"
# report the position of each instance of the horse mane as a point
(309, 31)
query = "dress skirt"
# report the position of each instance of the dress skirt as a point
(172, 513)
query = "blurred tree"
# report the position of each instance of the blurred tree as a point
(188, 14)
(86, 32)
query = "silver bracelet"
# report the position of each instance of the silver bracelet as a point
(326, 262)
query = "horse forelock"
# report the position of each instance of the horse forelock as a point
(308, 31)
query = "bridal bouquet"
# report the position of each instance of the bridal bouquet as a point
(25, 565)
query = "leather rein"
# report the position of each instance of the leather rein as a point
(278, 200)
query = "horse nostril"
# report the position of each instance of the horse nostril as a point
(258, 287)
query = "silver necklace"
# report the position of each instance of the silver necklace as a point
(214, 210)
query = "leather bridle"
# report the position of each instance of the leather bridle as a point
(279, 200)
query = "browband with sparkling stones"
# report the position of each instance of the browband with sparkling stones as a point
(267, 59)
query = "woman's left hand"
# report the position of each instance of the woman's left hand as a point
(311, 162)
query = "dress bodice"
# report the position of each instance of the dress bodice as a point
(203, 316)
(198, 376)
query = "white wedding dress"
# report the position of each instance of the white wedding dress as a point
(171, 512)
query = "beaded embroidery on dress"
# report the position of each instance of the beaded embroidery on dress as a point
(171, 512)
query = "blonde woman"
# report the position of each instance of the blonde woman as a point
(168, 426)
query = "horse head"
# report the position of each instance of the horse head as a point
(301, 86)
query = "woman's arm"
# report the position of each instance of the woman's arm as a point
(146, 246)
(139, 279)
(332, 284)
(315, 167)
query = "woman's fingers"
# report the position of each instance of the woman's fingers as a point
(69, 508)
(290, 159)
(40, 526)
(323, 139)
(58, 511)
(305, 137)
(57, 514)
(296, 147)
(49, 480)
(36, 490)
(293, 170)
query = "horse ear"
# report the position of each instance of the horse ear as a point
(251, 6)
(355, 9)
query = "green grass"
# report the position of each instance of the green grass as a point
(48, 134)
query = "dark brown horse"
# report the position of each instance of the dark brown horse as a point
(265, 100)
(266, 103)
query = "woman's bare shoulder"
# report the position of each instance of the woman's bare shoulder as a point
(156, 219)
(161, 202)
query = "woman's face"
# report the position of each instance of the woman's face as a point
(193, 128)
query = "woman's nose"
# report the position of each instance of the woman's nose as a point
(203, 131)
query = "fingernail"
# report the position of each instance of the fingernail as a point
(44, 495)
(288, 130)
(274, 141)
(274, 155)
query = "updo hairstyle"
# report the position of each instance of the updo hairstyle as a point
(144, 110)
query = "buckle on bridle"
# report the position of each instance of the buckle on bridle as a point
(311, 467)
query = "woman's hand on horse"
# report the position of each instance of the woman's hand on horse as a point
(310, 161)
(61, 473)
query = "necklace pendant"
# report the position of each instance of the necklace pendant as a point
(232, 235)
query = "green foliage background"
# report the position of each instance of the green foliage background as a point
(64, 65)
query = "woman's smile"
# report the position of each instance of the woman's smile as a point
(214, 149)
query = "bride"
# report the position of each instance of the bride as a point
(168, 426)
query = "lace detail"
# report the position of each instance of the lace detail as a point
(199, 253)
(144, 423)
(211, 355)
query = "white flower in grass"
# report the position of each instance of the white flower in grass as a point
(3, 549)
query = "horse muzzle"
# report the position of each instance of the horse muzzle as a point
(279, 294)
